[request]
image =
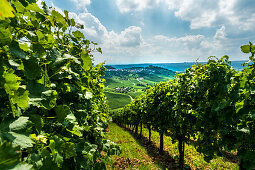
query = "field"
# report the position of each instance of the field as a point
(117, 100)
(124, 85)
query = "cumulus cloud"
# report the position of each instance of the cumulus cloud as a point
(124, 47)
(220, 34)
(93, 28)
(189, 41)
(131, 36)
(130, 46)
(206, 13)
(116, 45)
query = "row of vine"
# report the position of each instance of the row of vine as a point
(211, 104)
(53, 108)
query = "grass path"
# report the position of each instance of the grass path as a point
(137, 153)
(134, 155)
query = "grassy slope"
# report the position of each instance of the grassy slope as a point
(193, 159)
(117, 100)
(133, 155)
(132, 149)
(117, 82)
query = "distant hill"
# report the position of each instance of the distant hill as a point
(139, 71)
(123, 84)
(109, 67)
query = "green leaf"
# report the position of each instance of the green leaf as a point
(11, 82)
(21, 140)
(58, 17)
(32, 68)
(16, 51)
(41, 96)
(37, 120)
(239, 105)
(17, 94)
(245, 49)
(20, 124)
(77, 34)
(86, 61)
(56, 155)
(5, 36)
(70, 119)
(34, 7)
(99, 50)
(40, 36)
(19, 7)
(23, 166)
(69, 150)
(45, 8)
(66, 13)
(77, 130)
(62, 111)
(24, 46)
(21, 98)
(72, 22)
(9, 156)
(5, 9)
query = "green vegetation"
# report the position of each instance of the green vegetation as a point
(132, 82)
(193, 159)
(133, 154)
(144, 155)
(117, 100)
(211, 104)
(53, 106)
(54, 112)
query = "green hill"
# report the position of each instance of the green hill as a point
(117, 100)
(121, 84)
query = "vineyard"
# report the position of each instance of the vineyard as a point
(53, 108)
(210, 105)
(54, 112)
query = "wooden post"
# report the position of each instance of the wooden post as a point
(149, 127)
(161, 145)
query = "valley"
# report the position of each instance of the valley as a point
(122, 85)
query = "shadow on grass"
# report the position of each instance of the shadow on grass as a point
(160, 158)
(228, 156)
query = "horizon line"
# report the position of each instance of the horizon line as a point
(173, 62)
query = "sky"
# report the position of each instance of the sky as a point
(163, 31)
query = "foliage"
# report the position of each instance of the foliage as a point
(210, 103)
(53, 109)
(117, 100)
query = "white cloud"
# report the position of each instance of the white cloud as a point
(135, 5)
(117, 45)
(95, 31)
(81, 4)
(189, 41)
(93, 28)
(129, 46)
(124, 47)
(220, 34)
(207, 13)
(131, 36)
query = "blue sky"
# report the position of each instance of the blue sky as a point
(164, 31)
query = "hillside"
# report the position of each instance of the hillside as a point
(124, 84)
